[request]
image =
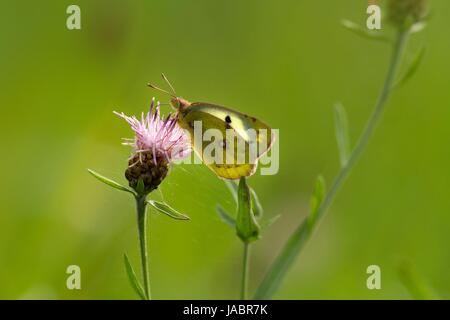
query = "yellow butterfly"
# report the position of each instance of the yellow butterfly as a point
(243, 139)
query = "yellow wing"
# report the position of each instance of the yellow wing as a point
(230, 142)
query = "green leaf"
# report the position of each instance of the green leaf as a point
(232, 186)
(364, 32)
(256, 205)
(110, 182)
(342, 136)
(166, 209)
(413, 67)
(283, 262)
(316, 201)
(133, 279)
(268, 222)
(225, 216)
(247, 228)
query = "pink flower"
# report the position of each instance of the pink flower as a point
(162, 137)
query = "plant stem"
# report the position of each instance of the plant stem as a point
(142, 223)
(245, 271)
(296, 242)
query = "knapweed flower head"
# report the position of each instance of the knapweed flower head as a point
(401, 12)
(158, 141)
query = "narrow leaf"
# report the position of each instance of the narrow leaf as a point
(133, 279)
(232, 186)
(267, 223)
(167, 210)
(109, 182)
(342, 136)
(364, 32)
(282, 263)
(413, 67)
(225, 216)
(316, 200)
(256, 205)
(246, 226)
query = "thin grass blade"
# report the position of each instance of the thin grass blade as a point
(133, 279)
(167, 210)
(110, 182)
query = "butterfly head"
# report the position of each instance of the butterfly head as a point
(179, 103)
(176, 102)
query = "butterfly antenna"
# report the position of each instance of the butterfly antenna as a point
(168, 82)
(159, 89)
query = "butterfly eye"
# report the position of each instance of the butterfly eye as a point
(175, 103)
(227, 119)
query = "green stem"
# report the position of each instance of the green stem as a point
(296, 242)
(142, 223)
(245, 271)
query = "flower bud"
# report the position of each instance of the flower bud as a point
(152, 170)
(247, 227)
(403, 12)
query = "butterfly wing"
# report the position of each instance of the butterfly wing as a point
(244, 138)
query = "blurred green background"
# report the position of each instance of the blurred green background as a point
(286, 62)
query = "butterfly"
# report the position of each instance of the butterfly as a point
(239, 139)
